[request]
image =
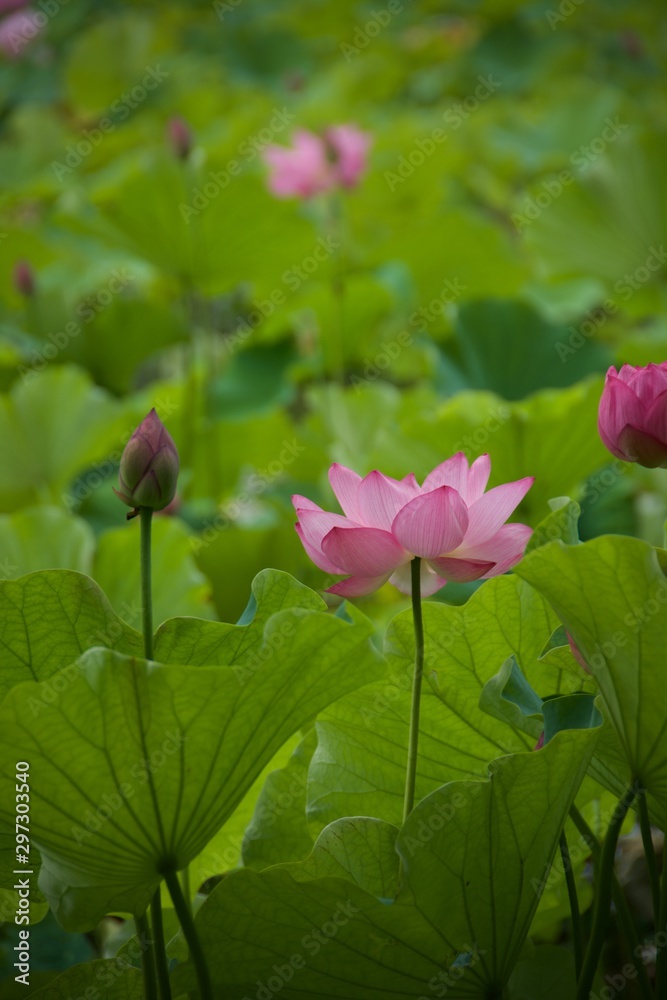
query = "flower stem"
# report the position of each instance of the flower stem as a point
(146, 514)
(160, 947)
(649, 854)
(622, 912)
(603, 894)
(190, 933)
(338, 288)
(661, 925)
(413, 739)
(577, 934)
(147, 957)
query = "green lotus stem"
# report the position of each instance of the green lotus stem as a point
(147, 957)
(413, 739)
(145, 516)
(185, 884)
(160, 946)
(661, 925)
(190, 933)
(577, 933)
(338, 288)
(649, 854)
(623, 914)
(602, 904)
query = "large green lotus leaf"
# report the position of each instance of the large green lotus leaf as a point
(136, 765)
(359, 766)
(9, 898)
(44, 538)
(207, 242)
(53, 425)
(223, 852)
(201, 643)
(278, 830)
(114, 54)
(361, 849)
(470, 854)
(610, 594)
(611, 219)
(562, 522)
(548, 974)
(47, 620)
(116, 977)
(233, 557)
(179, 588)
(509, 348)
(126, 335)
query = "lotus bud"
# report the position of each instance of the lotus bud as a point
(632, 419)
(148, 466)
(180, 137)
(24, 278)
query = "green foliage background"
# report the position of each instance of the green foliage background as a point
(505, 246)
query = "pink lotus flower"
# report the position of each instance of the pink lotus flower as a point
(632, 418)
(456, 528)
(350, 147)
(17, 30)
(314, 164)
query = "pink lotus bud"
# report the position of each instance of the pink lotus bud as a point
(24, 278)
(180, 137)
(576, 652)
(540, 742)
(350, 148)
(632, 418)
(148, 466)
(456, 528)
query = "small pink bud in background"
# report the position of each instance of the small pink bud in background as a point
(632, 419)
(632, 44)
(576, 652)
(24, 278)
(294, 80)
(540, 742)
(350, 146)
(149, 466)
(180, 137)
(456, 528)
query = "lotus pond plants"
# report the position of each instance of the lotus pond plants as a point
(333, 490)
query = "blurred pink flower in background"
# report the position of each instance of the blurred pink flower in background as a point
(18, 29)
(632, 419)
(313, 165)
(456, 528)
(179, 137)
(350, 146)
(24, 278)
